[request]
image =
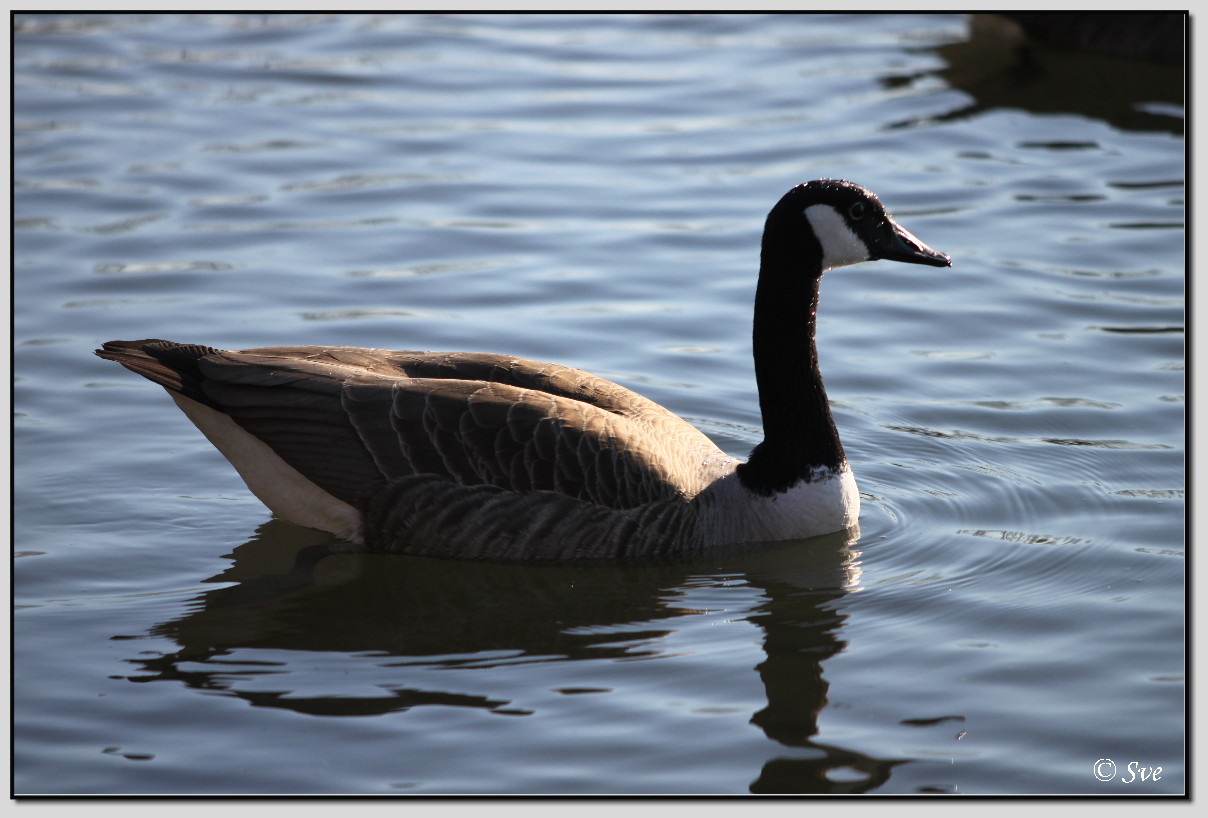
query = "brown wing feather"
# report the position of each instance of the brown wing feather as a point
(354, 420)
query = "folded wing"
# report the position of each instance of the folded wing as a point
(355, 421)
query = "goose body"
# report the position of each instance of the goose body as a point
(482, 455)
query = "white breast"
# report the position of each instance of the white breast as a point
(731, 513)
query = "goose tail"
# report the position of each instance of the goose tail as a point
(173, 366)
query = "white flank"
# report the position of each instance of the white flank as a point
(840, 245)
(279, 485)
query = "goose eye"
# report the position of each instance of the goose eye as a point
(856, 211)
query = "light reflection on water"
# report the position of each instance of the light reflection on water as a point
(591, 190)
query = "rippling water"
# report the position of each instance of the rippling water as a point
(591, 190)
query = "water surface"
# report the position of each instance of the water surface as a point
(591, 190)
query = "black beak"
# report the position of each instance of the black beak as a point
(903, 246)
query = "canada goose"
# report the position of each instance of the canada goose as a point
(483, 455)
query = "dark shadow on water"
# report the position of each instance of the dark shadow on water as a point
(999, 67)
(298, 590)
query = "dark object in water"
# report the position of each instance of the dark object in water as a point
(1157, 36)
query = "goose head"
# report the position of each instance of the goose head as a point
(846, 224)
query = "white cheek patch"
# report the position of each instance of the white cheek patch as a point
(840, 245)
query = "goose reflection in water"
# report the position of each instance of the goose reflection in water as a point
(394, 618)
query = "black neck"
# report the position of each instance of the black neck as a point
(799, 433)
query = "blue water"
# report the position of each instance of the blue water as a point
(591, 190)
